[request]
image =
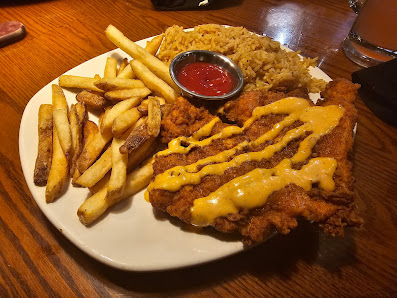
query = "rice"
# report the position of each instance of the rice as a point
(263, 63)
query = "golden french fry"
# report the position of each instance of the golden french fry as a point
(161, 100)
(158, 67)
(143, 107)
(44, 151)
(68, 81)
(115, 111)
(75, 176)
(97, 77)
(81, 110)
(153, 45)
(108, 84)
(76, 137)
(122, 66)
(98, 203)
(60, 116)
(139, 122)
(100, 184)
(97, 171)
(127, 93)
(127, 73)
(119, 171)
(92, 99)
(92, 150)
(141, 153)
(93, 207)
(124, 121)
(78, 117)
(90, 130)
(153, 82)
(100, 118)
(136, 138)
(59, 171)
(110, 68)
(154, 117)
(100, 167)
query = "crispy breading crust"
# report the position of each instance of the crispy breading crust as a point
(333, 210)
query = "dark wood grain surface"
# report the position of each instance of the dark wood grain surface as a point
(37, 260)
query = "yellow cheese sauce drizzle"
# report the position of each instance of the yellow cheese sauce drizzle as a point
(175, 145)
(251, 190)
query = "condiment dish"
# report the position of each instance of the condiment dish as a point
(221, 61)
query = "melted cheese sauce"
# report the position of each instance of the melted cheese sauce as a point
(252, 190)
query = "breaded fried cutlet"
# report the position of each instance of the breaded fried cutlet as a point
(283, 159)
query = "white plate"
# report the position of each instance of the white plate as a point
(129, 236)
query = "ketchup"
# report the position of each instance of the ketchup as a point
(205, 78)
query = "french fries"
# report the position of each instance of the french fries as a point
(100, 118)
(81, 110)
(61, 122)
(136, 138)
(143, 152)
(94, 100)
(158, 67)
(153, 45)
(122, 66)
(126, 73)
(98, 169)
(153, 82)
(124, 121)
(98, 203)
(123, 94)
(93, 207)
(77, 140)
(110, 68)
(93, 150)
(101, 157)
(143, 107)
(115, 111)
(68, 81)
(161, 100)
(59, 171)
(138, 179)
(154, 116)
(90, 130)
(44, 152)
(108, 84)
(119, 171)
(100, 184)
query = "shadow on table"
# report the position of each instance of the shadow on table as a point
(278, 256)
(184, 5)
(5, 3)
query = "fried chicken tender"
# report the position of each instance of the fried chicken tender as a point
(240, 109)
(333, 210)
(183, 120)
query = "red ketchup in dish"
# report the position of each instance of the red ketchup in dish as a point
(205, 78)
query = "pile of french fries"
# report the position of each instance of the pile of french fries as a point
(114, 157)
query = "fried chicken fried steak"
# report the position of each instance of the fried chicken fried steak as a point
(284, 158)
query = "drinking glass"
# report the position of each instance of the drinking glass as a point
(373, 36)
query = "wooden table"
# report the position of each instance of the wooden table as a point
(37, 260)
